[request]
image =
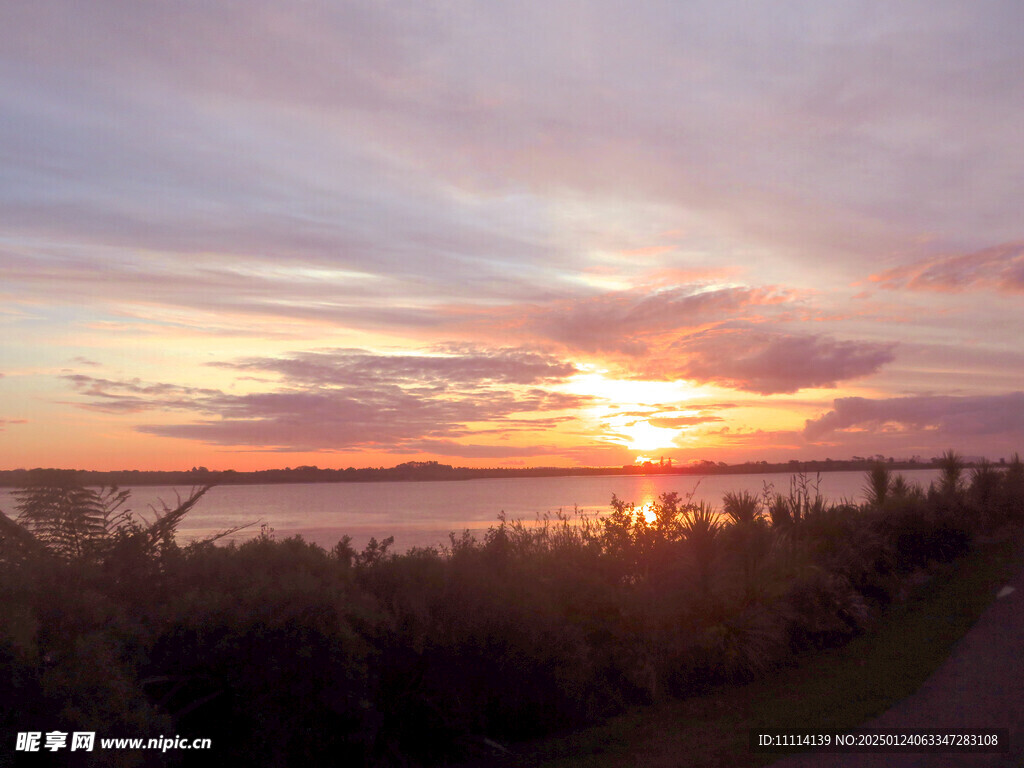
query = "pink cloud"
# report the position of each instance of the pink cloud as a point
(1000, 268)
(133, 395)
(351, 399)
(459, 364)
(949, 418)
(626, 322)
(773, 363)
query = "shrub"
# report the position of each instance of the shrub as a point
(920, 538)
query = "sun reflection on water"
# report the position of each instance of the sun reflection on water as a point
(648, 510)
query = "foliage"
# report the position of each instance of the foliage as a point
(67, 518)
(60, 517)
(286, 653)
(983, 490)
(1010, 496)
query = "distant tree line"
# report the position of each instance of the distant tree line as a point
(432, 470)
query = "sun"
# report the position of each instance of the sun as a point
(644, 437)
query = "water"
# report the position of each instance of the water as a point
(423, 513)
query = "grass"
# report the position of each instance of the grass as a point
(836, 689)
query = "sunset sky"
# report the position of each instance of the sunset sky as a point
(263, 234)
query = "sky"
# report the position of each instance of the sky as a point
(263, 234)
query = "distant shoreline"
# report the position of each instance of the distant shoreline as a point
(431, 471)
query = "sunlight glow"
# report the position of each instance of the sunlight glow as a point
(628, 392)
(643, 437)
(647, 508)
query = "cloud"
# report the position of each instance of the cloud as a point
(678, 422)
(458, 366)
(461, 172)
(254, 146)
(952, 418)
(473, 451)
(1000, 268)
(627, 322)
(671, 416)
(440, 148)
(346, 399)
(760, 439)
(225, 292)
(772, 362)
(133, 396)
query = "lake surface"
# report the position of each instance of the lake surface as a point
(424, 513)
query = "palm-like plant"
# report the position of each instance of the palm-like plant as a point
(701, 527)
(700, 524)
(951, 469)
(749, 536)
(985, 481)
(780, 511)
(743, 507)
(879, 482)
(900, 488)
